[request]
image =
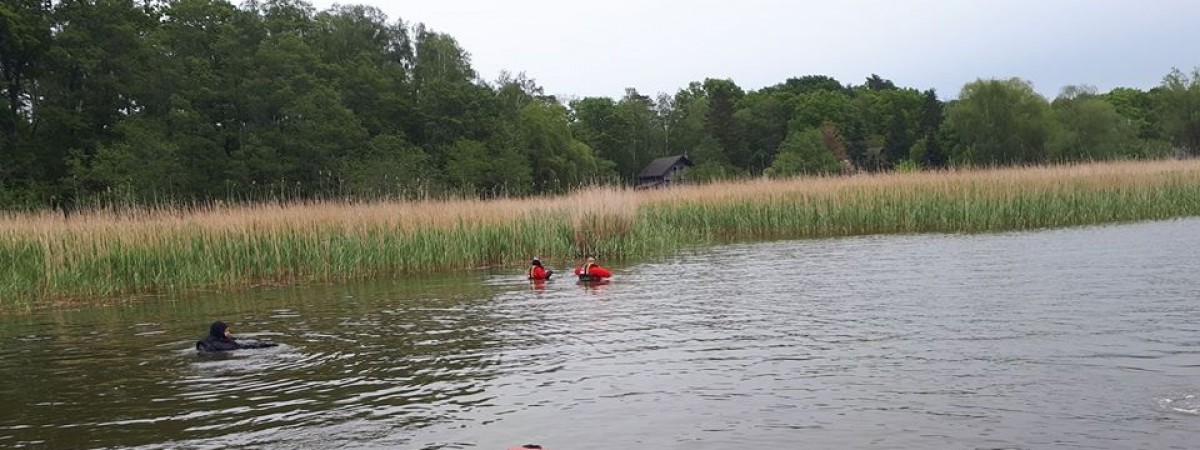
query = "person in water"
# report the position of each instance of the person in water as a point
(220, 340)
(590, 271)
(539, 272)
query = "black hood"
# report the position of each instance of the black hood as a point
(217, 329)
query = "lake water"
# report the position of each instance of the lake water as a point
(1079, 338)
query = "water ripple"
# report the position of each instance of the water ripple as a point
(1076, 338)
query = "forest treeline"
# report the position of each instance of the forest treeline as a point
(195, 100)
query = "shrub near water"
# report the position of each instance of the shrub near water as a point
(100, 255)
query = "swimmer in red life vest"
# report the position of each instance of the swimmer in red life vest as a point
(590, 271)
(537, 272)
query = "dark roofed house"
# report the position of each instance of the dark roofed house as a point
(662, 172)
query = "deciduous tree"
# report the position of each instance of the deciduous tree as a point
(1000, 122)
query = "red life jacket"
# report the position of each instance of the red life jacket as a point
(592, 270)
(538, 273)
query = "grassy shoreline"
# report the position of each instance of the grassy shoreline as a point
(99, 256)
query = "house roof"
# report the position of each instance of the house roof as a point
(660, 166)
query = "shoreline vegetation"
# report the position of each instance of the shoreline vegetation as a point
(119, 102)
(99, 256)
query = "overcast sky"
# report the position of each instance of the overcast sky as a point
(601, 47)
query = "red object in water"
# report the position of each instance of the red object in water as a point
(539, 273)
(594, 271)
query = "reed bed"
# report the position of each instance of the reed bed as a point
(100, 255)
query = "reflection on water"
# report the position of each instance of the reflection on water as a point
(1070, 338)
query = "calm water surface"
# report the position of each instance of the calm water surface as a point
(1081, 338)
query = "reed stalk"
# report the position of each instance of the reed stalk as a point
(97, 256)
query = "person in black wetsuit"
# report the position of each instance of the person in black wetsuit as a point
(219, 340)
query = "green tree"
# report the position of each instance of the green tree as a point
(284, 16)
(813, 109)
(708, 172)
(450, 106)
(931, 154)
(806, 85)
(199, 92)
(1138, 108)
(316, 132)
(474, 168)
(691, 116)
(888, 114)
(1180, 110)
(831, 138)
(1088, 128)
(557, 160)
(367, 60)
(803, 153)
(666, 118)
(723, 96)
(877, 83)
(94, 69)
(24, 38)
(390, 166)
(24, 41)
(625, 133)
(904, 114)
(708, 153)
(999, 122)
(763, 116)
(598, 123)
(637, 116)
(142, 166)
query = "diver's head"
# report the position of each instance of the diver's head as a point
(218, 329)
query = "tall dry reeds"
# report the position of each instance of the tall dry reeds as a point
(102, 254)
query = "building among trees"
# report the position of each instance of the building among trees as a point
(663, 171)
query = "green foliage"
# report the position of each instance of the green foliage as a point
(723, 96)
(877, 83)
(24, 39)
(803, 153)
(1000, 122)
(1137, 107)
(764, 117)
(813, 109)
(689, 117)
(557, 160)
(882, 123)
(1180, 100)
(144, 164)
(390, 166)
(1088, 128)
(708, 172)
(709, 151)
(202, 100)
(597, 123)
(918, 153)
(476, 168)
(620, 132)
(907, 166)
(805, 85)
(929, 130)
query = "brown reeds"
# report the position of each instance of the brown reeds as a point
(101, 254)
